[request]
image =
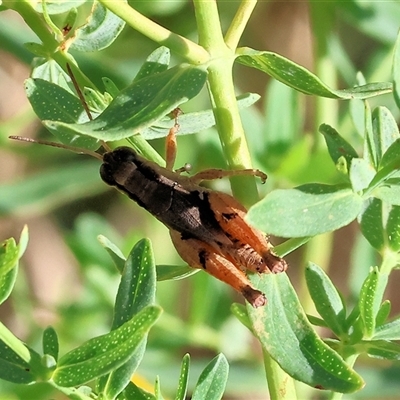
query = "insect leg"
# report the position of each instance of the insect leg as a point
(215, 173)
(170, 143)
(201, 255)
(248, 242)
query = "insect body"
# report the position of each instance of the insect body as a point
(207, 227)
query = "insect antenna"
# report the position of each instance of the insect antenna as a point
(76, 150)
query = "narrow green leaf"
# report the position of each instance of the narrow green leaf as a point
(140, 105)
(370, 152)
(138, 283)
(393, 228)
(12, 367)
(50, 342)
(57, 7)
(383, 349)
(155, 63)
(110, 86)
(175, 272)
(361, 174)
(303, 80)
(136, 291)
(391, 155)
(101, 29)
(337, 146)
(326, 299)
(114, 252)
(389, 194)
(52, 102)
(285, 333)
(371, 223)
(212, 381)
(385, 130)
(10, 253)
(396, 71)
(132, 392)
(370, 300)
(388, 331)
(383, 313)
(183, 378)
(102, 354)
(307, 210)
(157, 389)
(193, 122)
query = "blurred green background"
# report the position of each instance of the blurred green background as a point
(68, 281)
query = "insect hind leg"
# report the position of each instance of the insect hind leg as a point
(203, 256)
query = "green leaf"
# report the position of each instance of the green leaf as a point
(382, 349)
(393, 229)
(102, 354)
(361, 174)
(175, 272)
(303, 80)
(52, 73)
(370, 152)
(371, 223)
(389, 194)
(101, 29)
(58, 7)
(285, 333)
(136, 291)
(370, 300)
(50, 342)
(307, 210)
(140, 105)
(114, 252)
(383, 313)
(391, 155)
(155, 63)
(132, 392)
(337, 146)
(51, 101)
(183, 378)
(12, 367)
(388, 331)
(195, 121)
(10, 253)
(385, 130)
(396, 71)
(212, 381)
(138, 283)
(326, 299)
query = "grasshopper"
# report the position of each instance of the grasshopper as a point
(207, 227)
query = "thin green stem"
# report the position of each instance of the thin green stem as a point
(191, 51)
(280, 384)
(239, 23)
(222, 94)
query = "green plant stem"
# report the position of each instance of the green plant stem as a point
(191, 51)
(36, 22)
(239, 23)
(280, 384)
(222, 94)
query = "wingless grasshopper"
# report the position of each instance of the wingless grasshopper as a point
(207, 228)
